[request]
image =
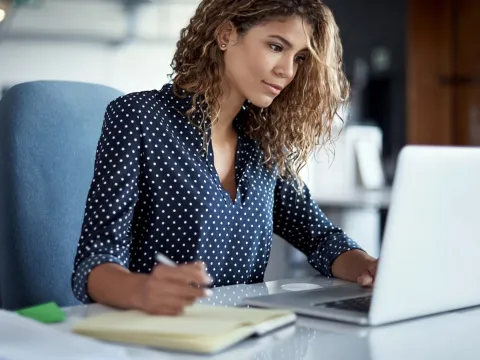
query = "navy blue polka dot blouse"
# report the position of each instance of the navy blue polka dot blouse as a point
(155, 190)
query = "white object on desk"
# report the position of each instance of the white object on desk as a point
(369, 160)
(22, 338)
(336, 167)
(300, 286)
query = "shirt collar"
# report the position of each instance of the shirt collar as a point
(183, 103)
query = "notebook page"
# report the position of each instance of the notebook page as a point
(200, 343)
(198, 320)
(250, 315)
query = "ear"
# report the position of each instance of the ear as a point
(226, 35)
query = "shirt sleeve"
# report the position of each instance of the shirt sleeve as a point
(106, 230)
(300, 221)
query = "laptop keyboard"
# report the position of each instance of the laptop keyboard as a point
(361, 304)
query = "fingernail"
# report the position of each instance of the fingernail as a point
(208, 292)
(365, 281)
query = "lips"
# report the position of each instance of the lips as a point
(274, 89)
(275, 86)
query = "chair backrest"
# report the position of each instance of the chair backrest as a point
(48, 136)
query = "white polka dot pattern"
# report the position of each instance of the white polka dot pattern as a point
(154, 190)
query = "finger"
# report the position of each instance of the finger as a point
(186, 292)
(372, 268)
(199, 264)
(184, 274)
(366, 279)
(166, 302)
(174, 312)
(195, 274)
(167, 311)
(164, 309)
(176, 284)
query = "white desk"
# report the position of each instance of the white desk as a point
(357, 198)
(447, 336)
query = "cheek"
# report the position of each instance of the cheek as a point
(263, 61)
(247, 64)
(237, 65)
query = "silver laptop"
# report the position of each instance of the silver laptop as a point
(430, 255)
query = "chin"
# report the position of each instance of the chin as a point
(262, 101)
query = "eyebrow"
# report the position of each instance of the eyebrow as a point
(284, 41)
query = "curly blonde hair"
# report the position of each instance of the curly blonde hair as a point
(301, 117)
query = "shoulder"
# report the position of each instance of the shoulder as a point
(150, 113)
(139, 99)
(150, 103)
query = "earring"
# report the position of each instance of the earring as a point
(223, 46)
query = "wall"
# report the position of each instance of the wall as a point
(133, 67)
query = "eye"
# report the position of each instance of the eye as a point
(276, 47)
(300, 59)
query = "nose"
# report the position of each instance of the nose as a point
(285, 67)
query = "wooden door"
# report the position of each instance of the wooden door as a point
(443, 75)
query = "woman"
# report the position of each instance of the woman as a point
(207, 168)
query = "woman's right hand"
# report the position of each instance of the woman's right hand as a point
(167, 290)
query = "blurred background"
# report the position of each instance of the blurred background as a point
(414, 66)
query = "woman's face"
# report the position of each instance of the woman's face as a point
(265, 60)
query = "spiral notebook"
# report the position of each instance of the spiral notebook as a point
(201, 329)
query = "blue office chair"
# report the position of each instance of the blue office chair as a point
(48, 136)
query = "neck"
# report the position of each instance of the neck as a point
(231, 104)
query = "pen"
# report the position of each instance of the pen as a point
(166, 261)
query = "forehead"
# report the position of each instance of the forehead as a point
(293, 28)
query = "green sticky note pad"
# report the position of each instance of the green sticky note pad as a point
(46, 313)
